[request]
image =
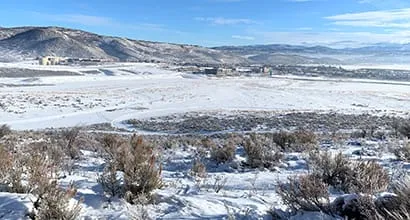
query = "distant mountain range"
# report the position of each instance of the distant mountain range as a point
(29, 42)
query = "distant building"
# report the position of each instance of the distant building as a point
(211, 71)
(50, 60)
(224, 71)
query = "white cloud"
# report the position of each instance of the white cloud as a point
(240, 37)
(333, 39)
(399, 18)
(226, 21)
(91, 20)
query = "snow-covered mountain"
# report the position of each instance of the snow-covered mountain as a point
(40, 41)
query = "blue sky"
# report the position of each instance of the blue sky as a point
(336, 23)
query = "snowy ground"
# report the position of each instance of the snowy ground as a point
(142, 90)
(138, 91)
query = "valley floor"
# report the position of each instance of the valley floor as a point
(144, 91)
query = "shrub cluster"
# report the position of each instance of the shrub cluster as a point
(36, 173)
(360, 178)
(298, 141)
(136, 160)
(260, 153)
(224, 153)
(347, 175)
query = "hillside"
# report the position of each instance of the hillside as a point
(20, 43)
(29, 42)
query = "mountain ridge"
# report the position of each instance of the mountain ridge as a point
(17, 43)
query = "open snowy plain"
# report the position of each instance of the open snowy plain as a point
(119, 92)
(116, 93)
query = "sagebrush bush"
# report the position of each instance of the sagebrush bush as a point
(141, 173)
(69, 138)
(334, 171)
(136, 159)
(402, 153)
(298, 141)
(396, 207)
(307, 192)
(404, 129)
(54, 203)
(12, 171)
(346, 175)
(5, 165)
(109, 180)
(369, 177)
(198, 170)
(4, 130)
(223, 154)
(260, 153)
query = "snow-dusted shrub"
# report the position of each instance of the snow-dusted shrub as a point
(396, 206)
(405, 129)
(4, 130)
(365, 206)
(208, 143)
(13, 172)
(136, 159)
(260, 153)
(141, 173)
(403, 153)
(223, 154)
(198, 170)
(137, 212)
(307, 192)
(6, 163)
(368, 177)
(298, 141)
(333, 170)
(54, 203)
(346, 175)
(356, 206)
(112, 150)
(109, 180)
(305, 140)
(69, 142)
(284, 140)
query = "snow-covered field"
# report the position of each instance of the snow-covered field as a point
(138, 91)
(149, 91)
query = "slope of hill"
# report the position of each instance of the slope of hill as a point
(41, 41)
(29, 42)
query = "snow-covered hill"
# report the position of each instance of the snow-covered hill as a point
(29, 42)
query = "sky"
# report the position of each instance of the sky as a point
(334, 23)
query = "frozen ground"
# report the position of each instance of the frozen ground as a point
(125, 91)
(113, 94)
